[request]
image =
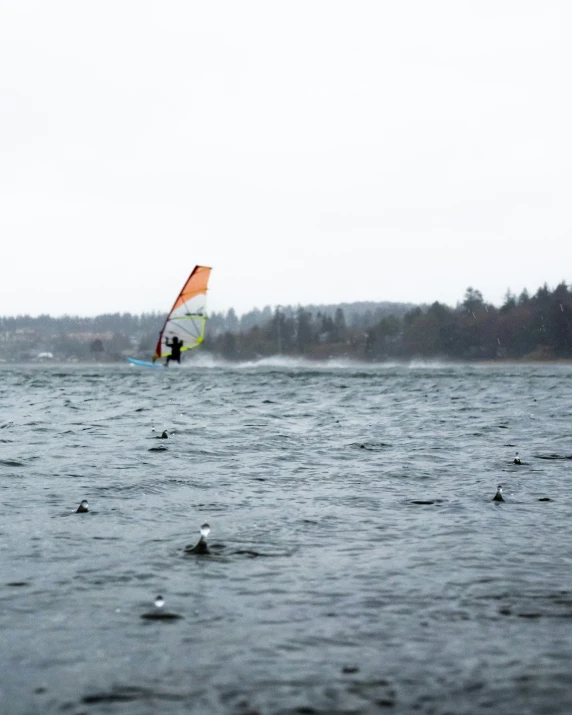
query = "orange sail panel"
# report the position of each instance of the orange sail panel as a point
(188, 316)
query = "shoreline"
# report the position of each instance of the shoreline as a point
(219, 361)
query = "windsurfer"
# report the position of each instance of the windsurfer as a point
(175, 346)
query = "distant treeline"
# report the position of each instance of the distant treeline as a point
(531, 327)
(357, 315)
(115, 335)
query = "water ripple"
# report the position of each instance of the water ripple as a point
(357, 562)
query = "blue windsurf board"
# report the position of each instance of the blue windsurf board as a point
(144, 363)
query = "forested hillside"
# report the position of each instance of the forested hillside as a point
(523, 327)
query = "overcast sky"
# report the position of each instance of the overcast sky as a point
(310, 151)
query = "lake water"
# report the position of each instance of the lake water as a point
(327, 590)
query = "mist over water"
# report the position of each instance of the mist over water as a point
(356, 561)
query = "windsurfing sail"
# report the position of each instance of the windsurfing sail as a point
(186, 319)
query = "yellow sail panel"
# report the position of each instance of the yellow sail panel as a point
(187, 318)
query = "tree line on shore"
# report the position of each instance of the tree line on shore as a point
(530, 327)
(533, 327)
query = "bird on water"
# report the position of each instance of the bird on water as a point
(201, 547)
(158, 613)
(498, 495)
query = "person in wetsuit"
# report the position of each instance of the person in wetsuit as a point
(175, 346)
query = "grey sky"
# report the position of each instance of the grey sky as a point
(313, 151)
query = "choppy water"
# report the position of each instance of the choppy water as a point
(328, 590)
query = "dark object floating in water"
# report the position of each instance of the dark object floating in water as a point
(158, 614)
(498, 495)
(350, 669)
(422, 501)
(372, 446)
(18, 584)
(158, 449)
(201, 547)
(545, 499)
(529, 615)
(82, 508)
(516, 459)
(164, 435)
(117, 695)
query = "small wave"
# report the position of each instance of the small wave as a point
(296, 363)
(370, 446)
(125, 694)
(552, 456)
